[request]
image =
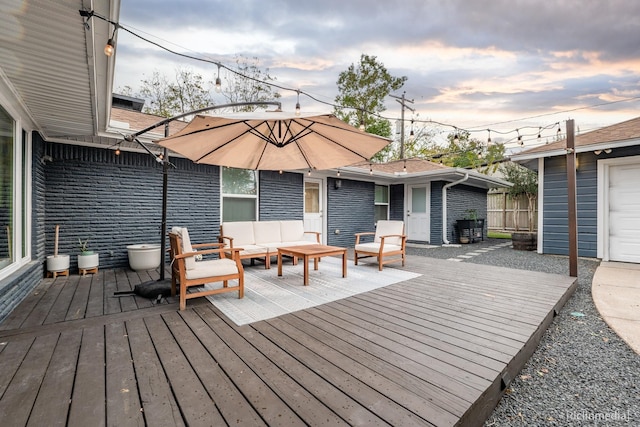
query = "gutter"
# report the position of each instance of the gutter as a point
(444, 206)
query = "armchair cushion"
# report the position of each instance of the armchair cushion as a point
(211, 268)
(190, 262)
(374, 247)
(386, 228)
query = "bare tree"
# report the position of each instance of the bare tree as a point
(248, 84)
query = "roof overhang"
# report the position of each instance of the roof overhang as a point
(475, 179)
(611, 145)
(52, 67)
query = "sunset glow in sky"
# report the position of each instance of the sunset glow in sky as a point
(500, 64)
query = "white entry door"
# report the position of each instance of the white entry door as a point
(313, 209)
(624, 213)
(418, 213)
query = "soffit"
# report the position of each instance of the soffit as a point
(55, 65)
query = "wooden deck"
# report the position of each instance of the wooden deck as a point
(435, 350)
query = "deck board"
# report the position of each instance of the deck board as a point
(88, 398)
(52, 404)
(436, 350)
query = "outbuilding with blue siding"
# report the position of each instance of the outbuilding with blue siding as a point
(607, 189)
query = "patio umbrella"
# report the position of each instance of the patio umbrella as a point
(274, 141)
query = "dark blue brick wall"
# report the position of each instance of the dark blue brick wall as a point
(436, 213)
(396, 202)
(281, 196)
(459, 199)
(350, 209)
(116, 201)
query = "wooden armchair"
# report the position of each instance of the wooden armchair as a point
(188, 272)
(388, 244)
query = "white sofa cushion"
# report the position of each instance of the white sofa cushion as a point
(266, 231)
(241, 232)
(291, 231)
(385, 228)
(211, 268)
(253, 250)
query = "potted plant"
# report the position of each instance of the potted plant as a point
(525, 183)
(87, 259)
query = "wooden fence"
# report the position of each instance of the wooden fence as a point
(506, 214)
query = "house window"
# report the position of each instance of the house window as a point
(14, 195)
(239, 195)
(381, 209)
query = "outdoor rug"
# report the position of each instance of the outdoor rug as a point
(268, 295)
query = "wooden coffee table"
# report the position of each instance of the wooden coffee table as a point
(314, 252)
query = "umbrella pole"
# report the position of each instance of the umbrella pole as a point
(165, 185)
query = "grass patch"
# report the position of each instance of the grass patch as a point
(498, 234)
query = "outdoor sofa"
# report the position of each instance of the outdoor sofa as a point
(261, 239)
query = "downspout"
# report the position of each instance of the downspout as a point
(444, 206)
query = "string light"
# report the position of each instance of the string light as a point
(370, 169)
(218, 81)
(338, 174)
(110, 49)
(519, 138)
(404, 168)
(298, 103)
(111, 44)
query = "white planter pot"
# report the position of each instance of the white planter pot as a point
(144, 257)
(56, 263)
(86, 262)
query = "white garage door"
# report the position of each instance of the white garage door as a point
(624, 213)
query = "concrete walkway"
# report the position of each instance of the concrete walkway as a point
(616, 293)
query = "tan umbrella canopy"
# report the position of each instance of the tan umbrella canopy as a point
(274, 141)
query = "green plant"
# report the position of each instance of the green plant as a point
(525, 182)
(471, 214)
(84, 247)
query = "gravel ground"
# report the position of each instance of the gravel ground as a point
(582, 373)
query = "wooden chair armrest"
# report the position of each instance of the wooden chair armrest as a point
(317, 233)
(205, 252)
(222, 239)
(207, 245)
(402, 236)
(366, 233)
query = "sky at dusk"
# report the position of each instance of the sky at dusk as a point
(476, 65)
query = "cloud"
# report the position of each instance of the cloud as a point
(467, 62)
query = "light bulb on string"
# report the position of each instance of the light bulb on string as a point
(110, 47)
(298, 103)
(218, 81)
(489, 138)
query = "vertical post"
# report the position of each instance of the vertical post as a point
(504, 210)
(572, 203)
(403, 102)
(165, 185)
(402, 128)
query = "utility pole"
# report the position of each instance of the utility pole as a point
(402, 100)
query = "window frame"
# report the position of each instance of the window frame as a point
(21, 187)
(376, 203)
(224, 195)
